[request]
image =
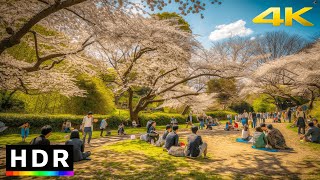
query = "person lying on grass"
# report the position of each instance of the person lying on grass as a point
(46, 131)
(162, 140)
(259, 138)
(275, 138)
(152, 133)
(172, 143)
(78, 147)
(195, 147)
(312, 135)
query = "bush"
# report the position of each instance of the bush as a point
(13, 121)
(220, 114)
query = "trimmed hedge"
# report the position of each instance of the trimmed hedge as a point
(220, 114)
(13, 121)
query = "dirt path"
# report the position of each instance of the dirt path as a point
(235, 160)
(239, 159)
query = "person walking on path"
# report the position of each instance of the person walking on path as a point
(87, 124)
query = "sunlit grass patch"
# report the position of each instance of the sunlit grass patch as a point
(135, 159)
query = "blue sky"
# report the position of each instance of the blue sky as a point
(231, 11)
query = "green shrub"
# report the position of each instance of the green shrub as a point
(220, 114)
(13, 121)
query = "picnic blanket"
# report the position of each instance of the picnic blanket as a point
(240, 140)
(265, 149)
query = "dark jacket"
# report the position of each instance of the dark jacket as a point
(77, 144)
(301, 122)
(193, 147)
(41, 140)
(314, 132)
(172, 139)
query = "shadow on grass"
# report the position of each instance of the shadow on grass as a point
(139, 160)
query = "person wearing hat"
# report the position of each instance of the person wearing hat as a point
(87, 123)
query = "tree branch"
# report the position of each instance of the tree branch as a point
(175, 97)
(22, 31)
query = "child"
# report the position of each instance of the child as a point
(245, 133)
(25, 131)
(121, 129)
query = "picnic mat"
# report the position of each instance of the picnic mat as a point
(240, 140)
(265, 149)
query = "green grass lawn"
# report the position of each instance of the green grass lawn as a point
(311, 145)
(134, 159)
(58, 137)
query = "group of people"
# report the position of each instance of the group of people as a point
(265, 136)
(170, 141)
(251, 118)
(78, 145)
(207, 121)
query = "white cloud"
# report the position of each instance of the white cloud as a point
(252, 38)
(223, 31)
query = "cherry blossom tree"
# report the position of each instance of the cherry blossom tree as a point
(290, 76)
(74, 24)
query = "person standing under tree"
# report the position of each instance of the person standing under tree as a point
(87, 124)
(289, 115)
(25, 131)
(189, 120)
(254, 119)
(245, 115)
(301, 121)
(103, 126)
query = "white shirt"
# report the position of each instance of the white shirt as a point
(103, 124)
(87, 121)
(245, 134)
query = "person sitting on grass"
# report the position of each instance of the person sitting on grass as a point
(315, 123)
(152, 133)
(174, 121)
(245, 135)
(259, 138)
(68, 127)
(195, 147)
(210, 124)
(228, 126)
(78, 147)
(25, 129)
(275, 138)
(162, 140)
(46, 131)
(236, 126)
(63, 126)
(172, 143)
(121, 130)
(312, 135)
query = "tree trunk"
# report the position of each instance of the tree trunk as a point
(185, 110)
(311, 100)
